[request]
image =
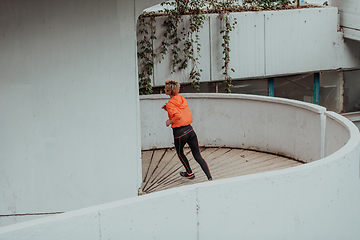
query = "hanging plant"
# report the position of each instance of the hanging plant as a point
(191, 42)
(146, 55)
(261, 5)
(171, 37)
(225, 31)
(184, 45)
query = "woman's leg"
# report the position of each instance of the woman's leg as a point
(179, 145)
(194, 145)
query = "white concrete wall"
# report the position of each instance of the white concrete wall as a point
(349, 17)
(318, 200)
(267, 124)
(337, 133)
(315, 2)
(69, 105)
(354, 117)
(269, 43)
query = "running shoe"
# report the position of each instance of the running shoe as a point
(186, 175)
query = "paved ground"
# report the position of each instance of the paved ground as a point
(161, 167)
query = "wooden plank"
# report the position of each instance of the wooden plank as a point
(146, 157)
(158, 154)
(275, 166)
(164, 164)
(234, 158)
(168, 172)
(247, 164)
(161, 167)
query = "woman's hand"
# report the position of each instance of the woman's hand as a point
(169, 122)
(164, 107)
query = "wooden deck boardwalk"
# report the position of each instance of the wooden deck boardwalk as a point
(161, 167)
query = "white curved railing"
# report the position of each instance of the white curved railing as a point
(286, 127)
(354, 117)
(318, 200)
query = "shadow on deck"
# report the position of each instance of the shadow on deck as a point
(161, 167)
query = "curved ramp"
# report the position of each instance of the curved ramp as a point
(161, 167)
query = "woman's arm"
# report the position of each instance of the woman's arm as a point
(173, 113)
(169, 122)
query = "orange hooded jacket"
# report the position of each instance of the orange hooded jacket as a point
(178, 111)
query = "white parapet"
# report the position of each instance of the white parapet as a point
(349, 17)
(317, 200)
(275, 125)
(264, 44)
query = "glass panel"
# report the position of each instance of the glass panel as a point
(205, 87)
(254, 87)
(298, 87)
(331, 91)
(352, 91)
(158, 90)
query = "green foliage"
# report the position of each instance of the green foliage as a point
(146, 53)
(229, 25)
(258, 5)
(183, 44)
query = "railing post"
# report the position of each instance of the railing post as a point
(271, 87)
(316, 88)
(322, 134)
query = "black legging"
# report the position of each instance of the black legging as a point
(183, 135)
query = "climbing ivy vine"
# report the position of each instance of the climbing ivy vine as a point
(225, 31)
(146, 54)
(184, 44)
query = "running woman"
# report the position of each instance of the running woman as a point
(180, 119)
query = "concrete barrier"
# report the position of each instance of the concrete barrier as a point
(318, 200)
(275, 125)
